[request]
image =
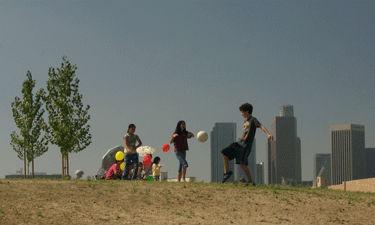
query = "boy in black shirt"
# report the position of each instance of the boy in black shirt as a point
(241, 150)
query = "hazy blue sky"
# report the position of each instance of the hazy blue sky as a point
(154, 63)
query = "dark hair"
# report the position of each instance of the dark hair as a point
(178, 128)
(130, 126)
(117, 161)
(156, 159)
(246, 107)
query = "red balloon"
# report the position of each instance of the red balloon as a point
(166, 147)
(147, 160)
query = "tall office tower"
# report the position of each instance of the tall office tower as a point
(286, 110)
(370, 162)
(348, 153)
(260, 173)
(284, 152)
(222, 135)
(252, 166)
(320, 161)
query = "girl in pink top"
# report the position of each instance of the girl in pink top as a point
(115, 171)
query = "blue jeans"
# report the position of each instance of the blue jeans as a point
(181, 156)
(130, 158)
(156, 178)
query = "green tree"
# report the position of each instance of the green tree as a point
(68, 118)
(28, 115)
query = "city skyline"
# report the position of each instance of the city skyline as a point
(155, 63)
(284, 152)
(347, 153)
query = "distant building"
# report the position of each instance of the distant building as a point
(222, 135)
(284, 152)
(252, 166)
(321, 160)
(348, 153)
(260, 173)
(370, 162)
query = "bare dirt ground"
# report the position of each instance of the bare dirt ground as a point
(143, 202)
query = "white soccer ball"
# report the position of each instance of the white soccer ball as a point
(202, 136)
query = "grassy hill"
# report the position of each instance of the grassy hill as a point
(141, 202)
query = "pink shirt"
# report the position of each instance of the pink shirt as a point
(111, 172)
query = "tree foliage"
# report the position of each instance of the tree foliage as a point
(68, 118)
(28, 115)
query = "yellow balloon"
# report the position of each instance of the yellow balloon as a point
(122, 166)
(119, 155)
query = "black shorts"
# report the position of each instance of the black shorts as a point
(236, 151)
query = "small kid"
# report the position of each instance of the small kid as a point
(115, 171)
(240, 150)
(156, 168)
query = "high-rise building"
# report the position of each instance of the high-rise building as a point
(238, 172)
(322, 167)
(260, 173)
(284, 152)
(222, 135)
(348, 153)
(370, 162)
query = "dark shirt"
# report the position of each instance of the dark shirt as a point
(249, 130)
(180, 143)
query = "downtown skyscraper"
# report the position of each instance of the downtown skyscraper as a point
(348, 153)
(284, 152)
(222, 135)
(322, 167)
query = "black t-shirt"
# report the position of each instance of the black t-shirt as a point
(249, 130)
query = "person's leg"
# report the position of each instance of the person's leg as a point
(226, 164)
(127, 165)
(136, 164)
(247, 172)
(228, 153)
(179, 173)
(183, 173)
(184, 165)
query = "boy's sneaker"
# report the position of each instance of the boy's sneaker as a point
(226, 176)
(247, 183)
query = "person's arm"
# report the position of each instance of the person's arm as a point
(172, 138)
(139, 142)
(126, 146)
(266, 131)
(189, 135)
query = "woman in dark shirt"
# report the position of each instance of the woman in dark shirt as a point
(179, 138)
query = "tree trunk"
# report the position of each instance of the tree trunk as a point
(32, 168)
(24, 163)
(67, 164)
(62, 163)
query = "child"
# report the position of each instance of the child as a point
(156, 168)
(140, 169)
(115, 171)
(179, 138)
(147, 169)
(131, 155)
(241, 149)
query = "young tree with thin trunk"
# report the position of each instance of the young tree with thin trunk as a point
(68, 118)
(28, 115)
